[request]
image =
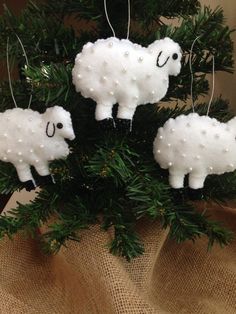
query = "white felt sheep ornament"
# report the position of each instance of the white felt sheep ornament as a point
(29, 138)
(114, 71)
(195, 145)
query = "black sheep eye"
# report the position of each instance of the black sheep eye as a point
(59, 125)
(175, 56)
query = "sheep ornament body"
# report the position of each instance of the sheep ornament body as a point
(28, 138)
(195, 145)
(114, 71)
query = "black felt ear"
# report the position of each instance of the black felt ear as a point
(50, 129)
(158, 59)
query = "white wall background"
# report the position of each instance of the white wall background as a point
(226, 83)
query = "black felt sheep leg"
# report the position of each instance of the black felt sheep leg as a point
(195, 194)
(124, 125)
(107, 124)
(45, 180)
(29, 185)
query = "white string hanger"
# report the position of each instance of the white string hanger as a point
(213, 84)
(191, 71)
(9, 74)
(107, 17)
(192, 78)
(8, 71)
(109, 23)
(27, 63)
(129, 19)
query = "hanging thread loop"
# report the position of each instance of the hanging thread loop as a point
(191, 71)
(109, 22)
(27, 63)
(129, 18)
(213, 84)
(192, 78)
(9, 74)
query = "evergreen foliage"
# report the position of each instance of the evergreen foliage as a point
(111, 178)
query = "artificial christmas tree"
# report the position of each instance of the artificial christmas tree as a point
(111, 176)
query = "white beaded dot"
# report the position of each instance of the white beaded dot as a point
(19, 153)
(4, 158)
(111, 93)
(91, 90)
(5, 134)
(183, 155)
(89, 68)
(41, 146)
(8, 151)
(160, 137)
(36, 160)
(20, 140)
(127, 53)
(20, 160)
(104, 78)
(210, 168)
(183, 140)
(31, 151)
(110, 44)
(117, 83)
(197, 157)
(190, 169)
(226, 150)
(79, 76)
(170, 164)
(169, 145)
(140, 59)
(158, 151)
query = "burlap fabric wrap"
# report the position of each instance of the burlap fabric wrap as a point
(85, 278)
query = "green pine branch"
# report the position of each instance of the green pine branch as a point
(29, 217)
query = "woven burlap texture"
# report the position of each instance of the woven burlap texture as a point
(84, 278)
